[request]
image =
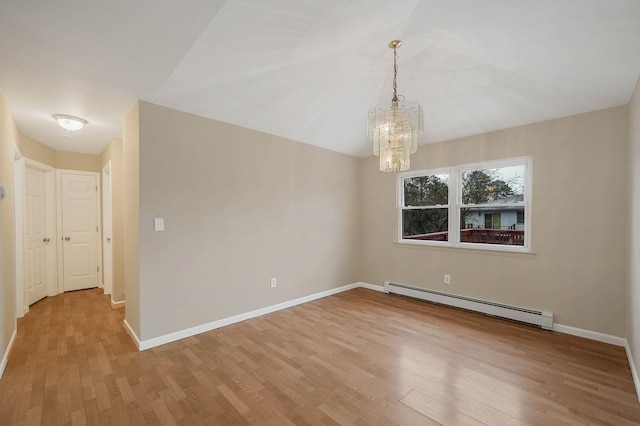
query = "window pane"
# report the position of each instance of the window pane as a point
(429, 190)
(425, 224)
(492, 225)
(489, 186)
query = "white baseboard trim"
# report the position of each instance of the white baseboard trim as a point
(593, 335)
(132, 333)
(117, 305)
(182, 334)
(5, 357)
(632, 365)
(372, 287)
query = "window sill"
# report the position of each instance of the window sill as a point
(521, 253)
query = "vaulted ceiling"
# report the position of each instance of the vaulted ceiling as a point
(310, 70)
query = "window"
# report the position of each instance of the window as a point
(484, 205)
(425, 213)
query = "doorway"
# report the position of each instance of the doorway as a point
(36, 235)
(35, 232)
(79, 251)
(492, 221)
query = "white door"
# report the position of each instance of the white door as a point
(35, 236)
(79, 194)
(107, 253)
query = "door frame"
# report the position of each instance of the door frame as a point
(107, 225)
(20, 163)
(59, 173)
(18, 232)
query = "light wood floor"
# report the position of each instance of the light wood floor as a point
(360, 357)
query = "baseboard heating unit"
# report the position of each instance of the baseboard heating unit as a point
(542, 319)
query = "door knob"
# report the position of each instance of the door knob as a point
(67, 238)
(46, 240)
(108, 240)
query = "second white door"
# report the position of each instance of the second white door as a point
(79, 194)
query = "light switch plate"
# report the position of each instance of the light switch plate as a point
(158, 224)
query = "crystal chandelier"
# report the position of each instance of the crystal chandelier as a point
(395, 128)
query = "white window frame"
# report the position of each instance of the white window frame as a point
(455, 204)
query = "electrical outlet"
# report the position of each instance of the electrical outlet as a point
(274, 282)
(447, 279)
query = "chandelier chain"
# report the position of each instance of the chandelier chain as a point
(395, 76)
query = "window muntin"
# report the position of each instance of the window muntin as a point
(487, 205)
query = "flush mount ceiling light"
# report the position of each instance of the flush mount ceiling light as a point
(394, 128)
(70, 122)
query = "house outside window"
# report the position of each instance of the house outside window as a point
(482, 205)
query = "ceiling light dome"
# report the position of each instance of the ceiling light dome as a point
(70, 122)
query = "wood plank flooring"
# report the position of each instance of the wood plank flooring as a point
(359, 357)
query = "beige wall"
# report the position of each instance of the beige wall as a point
(579, 215)
(37, 151)
(77, 161)
(8, 135)
(130, 217)
(633, 299)
(34, 150)
(113, 153)
(240, 207)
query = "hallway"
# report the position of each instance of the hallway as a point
(68, 361)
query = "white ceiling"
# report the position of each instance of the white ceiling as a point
(310, 70)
